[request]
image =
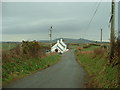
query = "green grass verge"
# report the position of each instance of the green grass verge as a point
(18, 68)
(102, 75)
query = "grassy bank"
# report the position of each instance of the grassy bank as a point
(18, 68)
(25, 59)
(102, 74)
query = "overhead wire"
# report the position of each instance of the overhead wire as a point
(93, 16)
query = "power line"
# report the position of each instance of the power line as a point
(93, 16)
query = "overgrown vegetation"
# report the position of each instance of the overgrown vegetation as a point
(17, 68)
(25, 50)
(27, 57)
(116, 57)
(102, 74)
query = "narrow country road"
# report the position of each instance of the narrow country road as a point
(66, 74)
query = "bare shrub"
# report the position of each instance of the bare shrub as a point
(99, 52)
(32, 49)
(6, 56)
(87, 46)
(79, 48)
(94, 44)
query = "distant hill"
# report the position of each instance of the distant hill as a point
(68, 40)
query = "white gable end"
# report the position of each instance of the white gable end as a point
(60, 46)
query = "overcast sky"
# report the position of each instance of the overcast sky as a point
(32, 20)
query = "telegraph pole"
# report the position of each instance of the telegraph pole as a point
(101, 35)
(118, 21)
(112, 34)
(50, 36)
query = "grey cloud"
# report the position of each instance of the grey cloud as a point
(68, 19)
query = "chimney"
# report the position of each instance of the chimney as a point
(57, 41)
(61, 40)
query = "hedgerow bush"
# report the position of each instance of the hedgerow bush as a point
(27, 49)
(31, 49)
(117, 51)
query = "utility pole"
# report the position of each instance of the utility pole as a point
(101, 35)
(50, 36)
(112, 34)
(118, 20)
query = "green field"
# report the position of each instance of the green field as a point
(72, 46)
(90, 48)
(8, 46)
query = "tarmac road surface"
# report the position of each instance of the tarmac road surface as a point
(65, 74)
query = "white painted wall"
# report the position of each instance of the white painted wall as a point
(60, 45)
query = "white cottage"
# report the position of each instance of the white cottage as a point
(59, 47)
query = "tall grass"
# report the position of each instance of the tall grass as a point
(102, 74)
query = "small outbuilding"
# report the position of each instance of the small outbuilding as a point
(59, 47)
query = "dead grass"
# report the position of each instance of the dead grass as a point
(79, 48)
(99, 52)
(86, 52)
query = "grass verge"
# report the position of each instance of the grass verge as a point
(102, 75)
(18, 68)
